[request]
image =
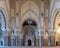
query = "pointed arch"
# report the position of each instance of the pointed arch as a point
(29, 6)
(56, 12)
(54, 25)
(3, 25)
(30, 9)
(4, 19)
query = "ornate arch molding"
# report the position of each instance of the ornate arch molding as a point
(35, 20)
(28, 1)
(30, 12)
(29, 6)
(56, 12)
(32, 28)
(2, 10)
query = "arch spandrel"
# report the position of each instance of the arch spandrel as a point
(28, 6)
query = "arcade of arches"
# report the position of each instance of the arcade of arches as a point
(29, 23)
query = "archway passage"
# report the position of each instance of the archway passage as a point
(29, 22)
(29, 42)
(29, 36)
(56, 28)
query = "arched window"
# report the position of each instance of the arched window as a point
(2, 27)
(0, 30)
(1, 39)
(2, 20)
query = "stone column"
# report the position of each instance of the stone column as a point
(49, 38)
(17, 14)
(39, 37)
(32, 42)
(21, 39)
(9, 40)
(52, 38)
(18, 41)
(46, 23)
(12, 14)
(17, 6)
(13, 40)
(42, 22)
(5, 39)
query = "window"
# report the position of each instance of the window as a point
(1, 43)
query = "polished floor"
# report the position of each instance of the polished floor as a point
(30, 47)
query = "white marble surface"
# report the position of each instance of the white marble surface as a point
(29, 47)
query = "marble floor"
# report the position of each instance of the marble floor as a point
(29, 47)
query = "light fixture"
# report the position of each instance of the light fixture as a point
(58, 30)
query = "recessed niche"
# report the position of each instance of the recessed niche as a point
(59, 24)
(42, 14)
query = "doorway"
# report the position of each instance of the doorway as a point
(29, 42)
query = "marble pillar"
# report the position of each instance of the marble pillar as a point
(49, 38)
(21, 39)
(42, 22)
(39, 37)
(52, 38)
(6, 40)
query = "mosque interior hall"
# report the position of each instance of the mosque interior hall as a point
(29, 23)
